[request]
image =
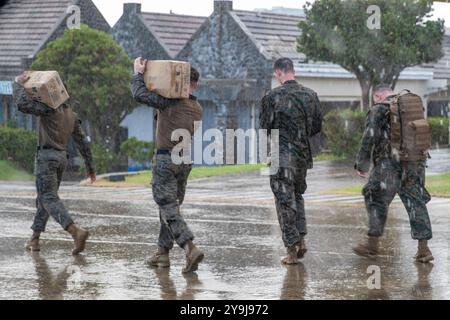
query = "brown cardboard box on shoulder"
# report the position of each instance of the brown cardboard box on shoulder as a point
(168, 78)
(46, 87)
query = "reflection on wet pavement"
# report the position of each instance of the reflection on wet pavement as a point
(294, 283)
(241, 239)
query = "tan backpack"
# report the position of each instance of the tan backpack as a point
(410, 131)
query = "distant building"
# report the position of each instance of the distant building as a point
(439, 96)
(284, 10)
(235, 50)
(25, 29)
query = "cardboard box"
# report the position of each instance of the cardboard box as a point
(170, 79)
(46, 87)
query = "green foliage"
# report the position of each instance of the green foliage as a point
(336, 31)
(343, 130)
(144, 178)
(18, 146)
(438, 186)
(97, 73)
(439, 131)
(104, 159)
(11, 123)
(10, 172)
(140, 151)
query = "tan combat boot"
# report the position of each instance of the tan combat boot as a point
(301, 249)
(160, 259)
(193, 257)
(368, 249)
(423, 254)
(80, 236)
(33, 244)
(291, 257)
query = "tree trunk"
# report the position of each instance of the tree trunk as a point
(365, 81)
(365, 88)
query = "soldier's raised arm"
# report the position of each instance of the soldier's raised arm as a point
(84, 148)
(142, 95)
(140, 92)
(317, 116)
(370, 137)
(27, 105)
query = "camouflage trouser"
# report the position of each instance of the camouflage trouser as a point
(288, 186)
(50, 167)
(169, 187)
(386, 180)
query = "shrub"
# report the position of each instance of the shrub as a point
(105, 160)
(18, 146)
(439, 131)
(343, 130)
(139, 151)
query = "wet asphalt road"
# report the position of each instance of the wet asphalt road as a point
(235, 223)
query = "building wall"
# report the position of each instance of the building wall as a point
(222, 50)
(237, 75)
(140, 123)
(133, 35)
(348, 90)
(90, 16)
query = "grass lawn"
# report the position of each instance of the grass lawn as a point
(328, 157)
(143, 179)
(438, 186)
(10, 172)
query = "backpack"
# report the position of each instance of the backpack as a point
(410, 131)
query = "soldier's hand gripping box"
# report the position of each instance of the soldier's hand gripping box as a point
(46, 87)
(170, 79)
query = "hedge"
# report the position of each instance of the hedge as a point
(439, 131)
(18, 146)
(343, 129)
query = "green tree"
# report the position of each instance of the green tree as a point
(96, 71)
(337, 31)
(139, 151)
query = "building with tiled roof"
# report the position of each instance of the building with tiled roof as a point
(26, 26)
(154, 35)
(172, 30)
(235, 50)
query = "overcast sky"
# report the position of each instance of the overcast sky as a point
(112, 9)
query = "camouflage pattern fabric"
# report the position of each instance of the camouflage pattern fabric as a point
(169, 187)
(56, 127)
(389, 177)
(408, 181)
(297, 113)
(50, 168)
(288, 186)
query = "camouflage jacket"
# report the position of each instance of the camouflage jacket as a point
(297, 113)
(56, 126)
(375, 143)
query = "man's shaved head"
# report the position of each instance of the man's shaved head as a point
(381, 92)
(382, 88)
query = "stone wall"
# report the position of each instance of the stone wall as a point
(133, 35)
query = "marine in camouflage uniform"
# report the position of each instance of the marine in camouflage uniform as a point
(297, 113)
(388, 178)
(169, 180)
(56, 127)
